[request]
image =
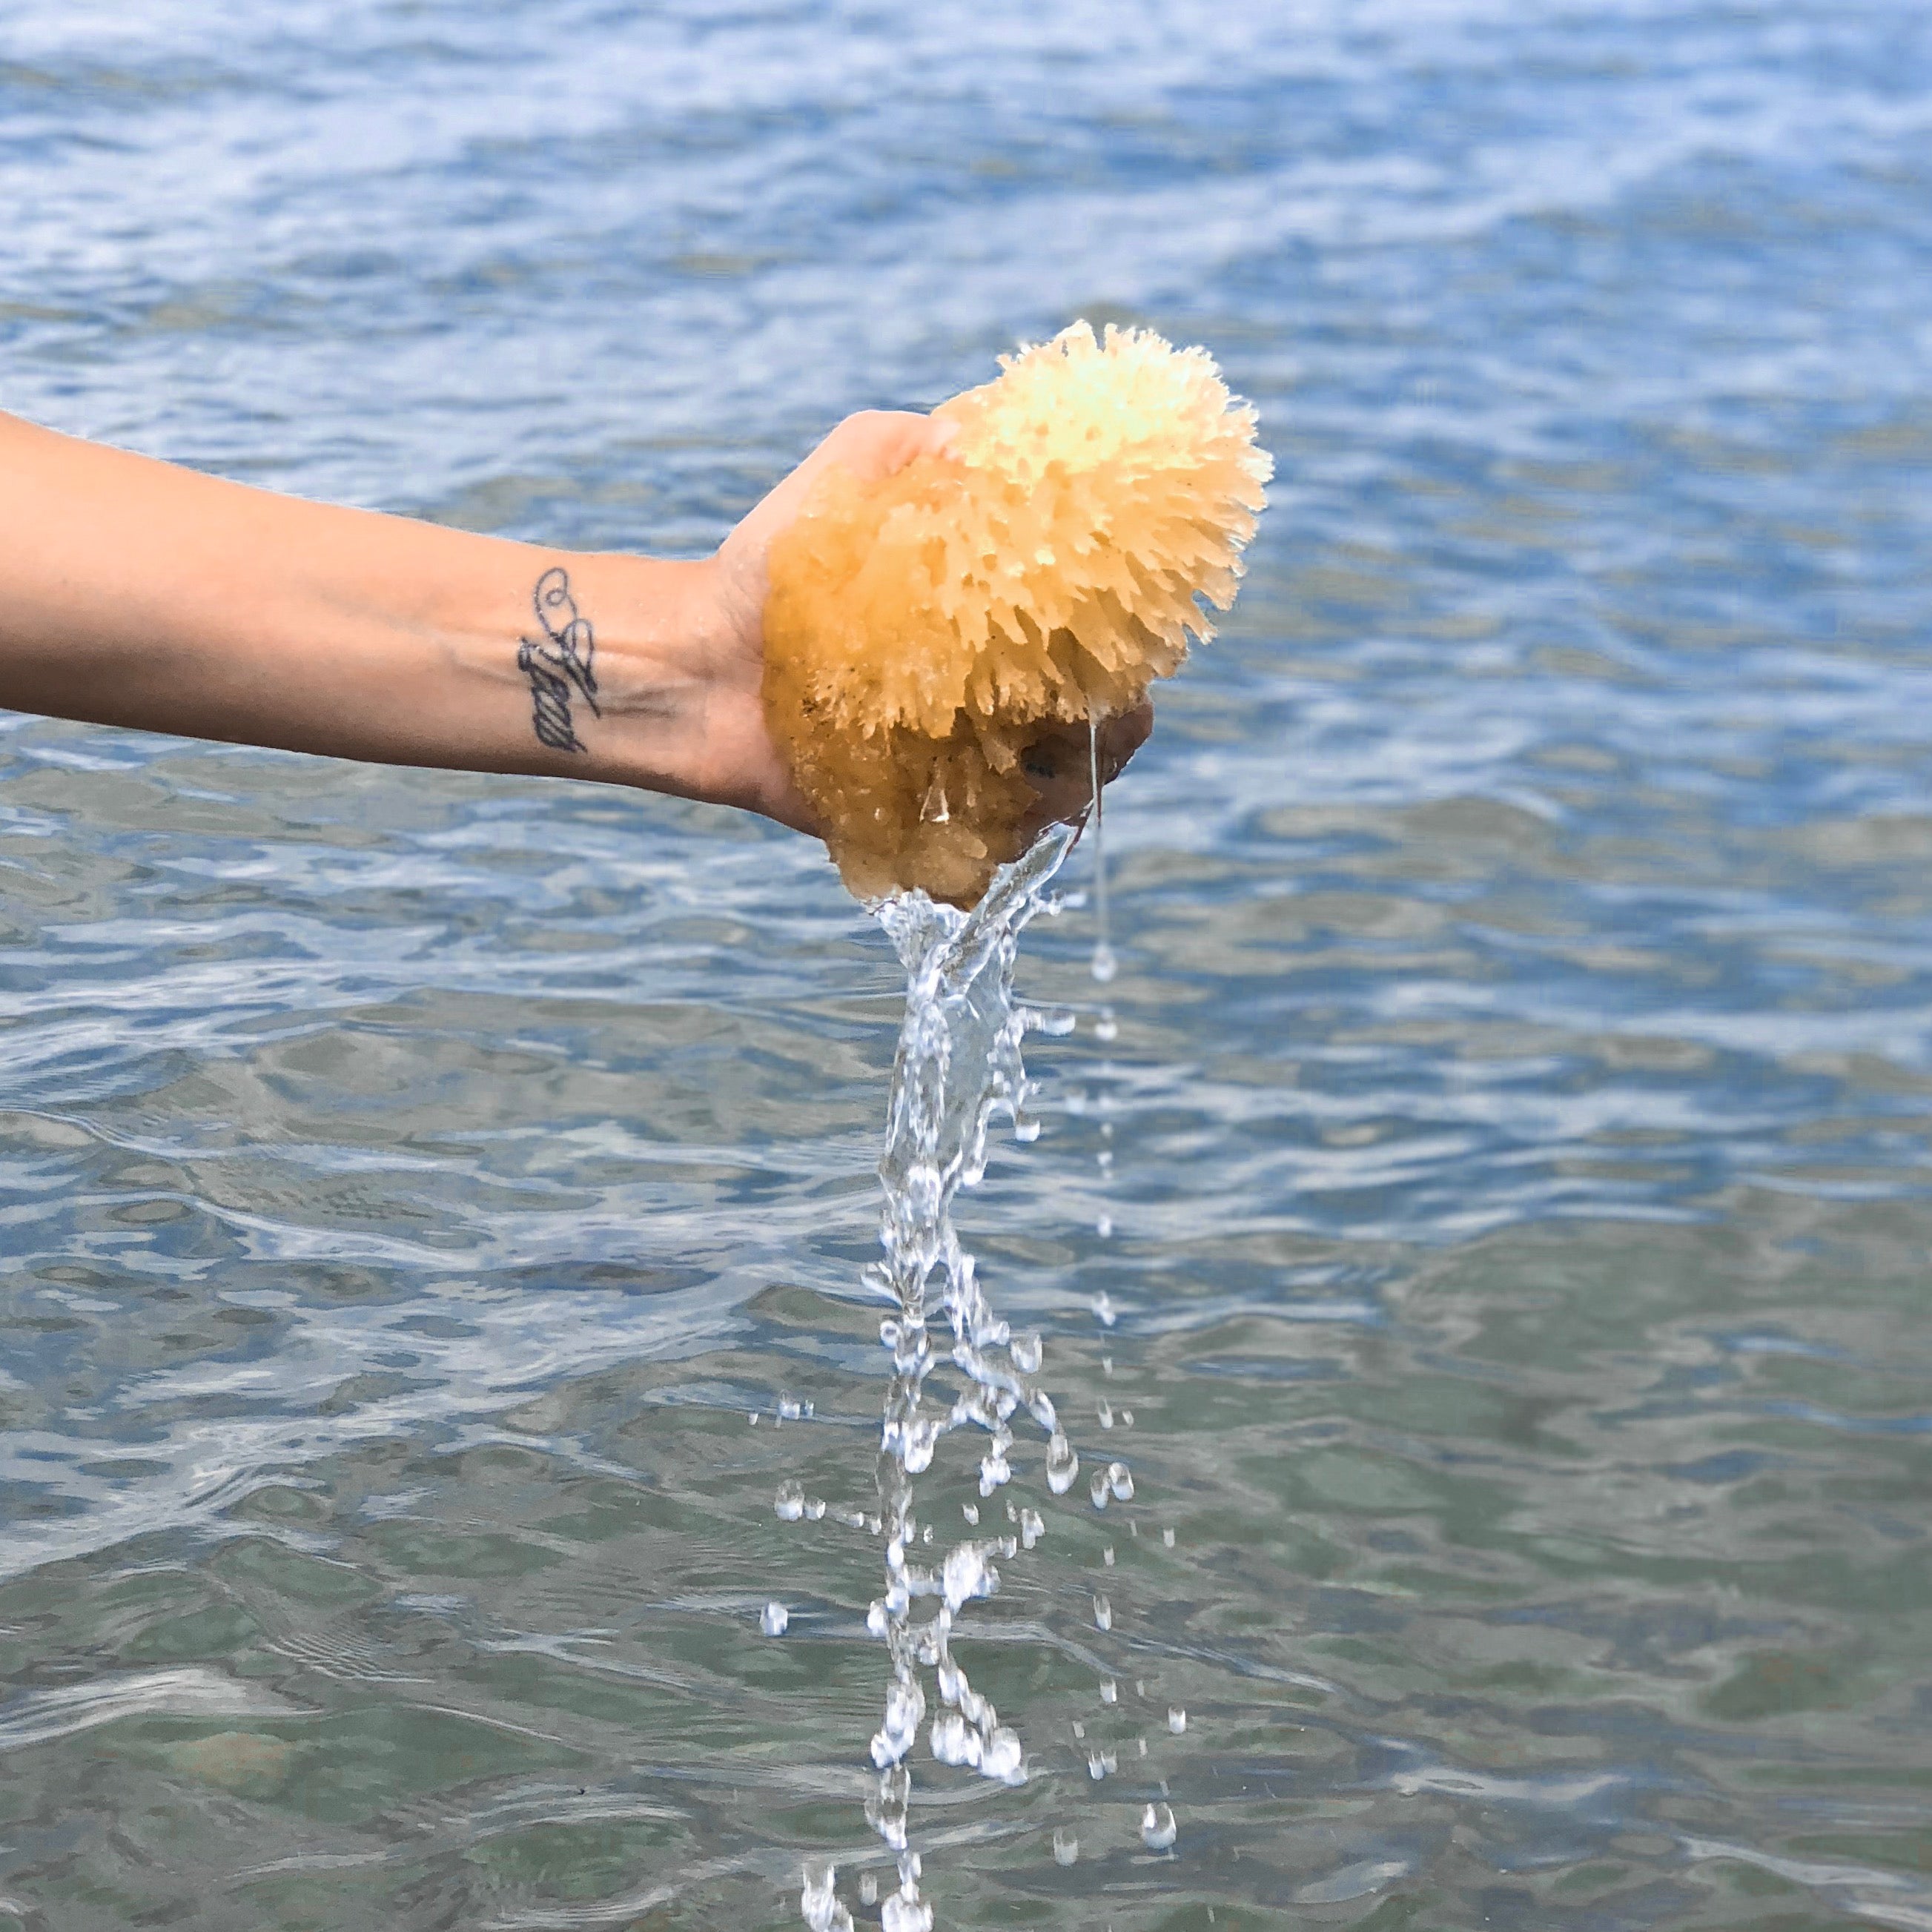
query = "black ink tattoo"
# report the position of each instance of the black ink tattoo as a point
(560, 662)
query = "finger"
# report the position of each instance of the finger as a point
(876, 443)
(1121, 737)
(1059, 763)
(873, 445)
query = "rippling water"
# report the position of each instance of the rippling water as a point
(415, 1183)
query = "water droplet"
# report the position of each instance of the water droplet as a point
(1103, 1310)
(1110, 1691)
(1062, 1465)
(1106, 1028)
(774, 1620)
(1066, 1846)
(789, 1409)
(1105, 1413)
(1002, 1758)
(1120, 1480)
(868, 1888)
(1177, 1719)
(1103, 1613)
(1099, 1763)
(906, 1913)
(905, 1705)
(753, 1418)
(954, 1740)
(966, 1574)
(1107, 1556)
(1097, 1488)
(818, 1902)
(886, 1807)
(789, 1505)
(1028, 1351)
(1104, 1227)
(1167, 1537)
(970, 1511)
(1033, 1526)
(1105, 965)
(1158, 1829)
(917, 1442)
(1126, 1418)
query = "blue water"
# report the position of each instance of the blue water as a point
(1519, 1196)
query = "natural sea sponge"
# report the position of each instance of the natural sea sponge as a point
(921, 630)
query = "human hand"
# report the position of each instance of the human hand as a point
(1059, 764)
(138, 594)
(745, 766)
(738, 764)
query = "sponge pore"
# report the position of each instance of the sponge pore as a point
(922, 630)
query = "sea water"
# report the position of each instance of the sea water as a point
(412, 1183)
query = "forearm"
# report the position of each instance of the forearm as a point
(134, 592)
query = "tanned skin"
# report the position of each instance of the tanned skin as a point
(135, 592)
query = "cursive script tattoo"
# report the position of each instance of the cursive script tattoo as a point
(560, 663)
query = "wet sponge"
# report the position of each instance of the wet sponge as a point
(921, 630)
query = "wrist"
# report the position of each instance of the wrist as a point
(632, 670)
(636, 670)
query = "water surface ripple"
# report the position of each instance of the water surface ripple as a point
(411, 1185)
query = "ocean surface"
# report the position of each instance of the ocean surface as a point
(1499, 1229)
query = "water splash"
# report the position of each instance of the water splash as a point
(1158, 1829)
(958, 1067)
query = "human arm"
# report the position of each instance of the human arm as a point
(136, 593)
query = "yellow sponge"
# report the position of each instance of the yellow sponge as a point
(921, 630)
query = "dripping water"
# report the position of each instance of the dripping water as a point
(1104, 964)
(959, 1066)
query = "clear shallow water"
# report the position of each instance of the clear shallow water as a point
(1520, 1193)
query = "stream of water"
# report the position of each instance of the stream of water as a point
(959, 1066)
